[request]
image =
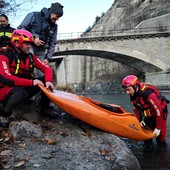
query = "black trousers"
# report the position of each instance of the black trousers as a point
(20, 94)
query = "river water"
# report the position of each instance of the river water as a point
(155, 160)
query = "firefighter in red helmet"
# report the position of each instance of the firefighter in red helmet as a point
(17, 82)
(149, 107)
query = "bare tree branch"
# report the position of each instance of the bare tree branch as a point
(10, 6)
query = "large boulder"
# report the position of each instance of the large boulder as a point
(65, 143)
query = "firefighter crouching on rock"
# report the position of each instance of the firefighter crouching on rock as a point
(17, 82)
(149, 107)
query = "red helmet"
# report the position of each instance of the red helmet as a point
(130, 80)
(21, 36)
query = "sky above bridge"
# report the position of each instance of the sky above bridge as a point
(78, 14)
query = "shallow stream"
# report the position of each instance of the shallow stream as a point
(156, 160)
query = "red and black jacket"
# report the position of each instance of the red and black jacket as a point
(16, 69)
(148, 102)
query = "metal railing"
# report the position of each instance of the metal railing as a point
(108, 33)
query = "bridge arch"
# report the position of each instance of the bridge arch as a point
(113, 50)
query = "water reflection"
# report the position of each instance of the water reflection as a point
(156, 160)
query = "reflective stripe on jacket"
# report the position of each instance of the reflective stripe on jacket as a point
(5, 35)
(140, 102)
(19, 65)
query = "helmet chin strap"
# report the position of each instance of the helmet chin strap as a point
(136, 89)
(17, 49)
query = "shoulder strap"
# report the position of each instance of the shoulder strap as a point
(7, 51)
(31, 62)
(147, 89)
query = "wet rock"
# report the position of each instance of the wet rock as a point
(25, 129)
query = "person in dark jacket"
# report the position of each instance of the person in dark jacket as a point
(44, 29)
(149, 107)
(5, 30)
(17, 82)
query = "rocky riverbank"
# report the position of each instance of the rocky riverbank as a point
(36, 142)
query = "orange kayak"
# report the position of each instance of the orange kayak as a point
(107, 117)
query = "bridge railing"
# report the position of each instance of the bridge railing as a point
(121, 32)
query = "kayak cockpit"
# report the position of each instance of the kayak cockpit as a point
(109, 107)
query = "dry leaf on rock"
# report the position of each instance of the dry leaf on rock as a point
(22, 145)
(37, 165)
(6, 152)
(104, 152)
(49, 141)
(21, 163)
(88, 134)
(63, 134)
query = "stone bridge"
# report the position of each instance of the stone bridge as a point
(147, 52)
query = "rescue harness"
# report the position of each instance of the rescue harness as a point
(15, 61)
(141, 103)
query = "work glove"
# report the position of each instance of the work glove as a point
(142, 123)
(156, 132)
